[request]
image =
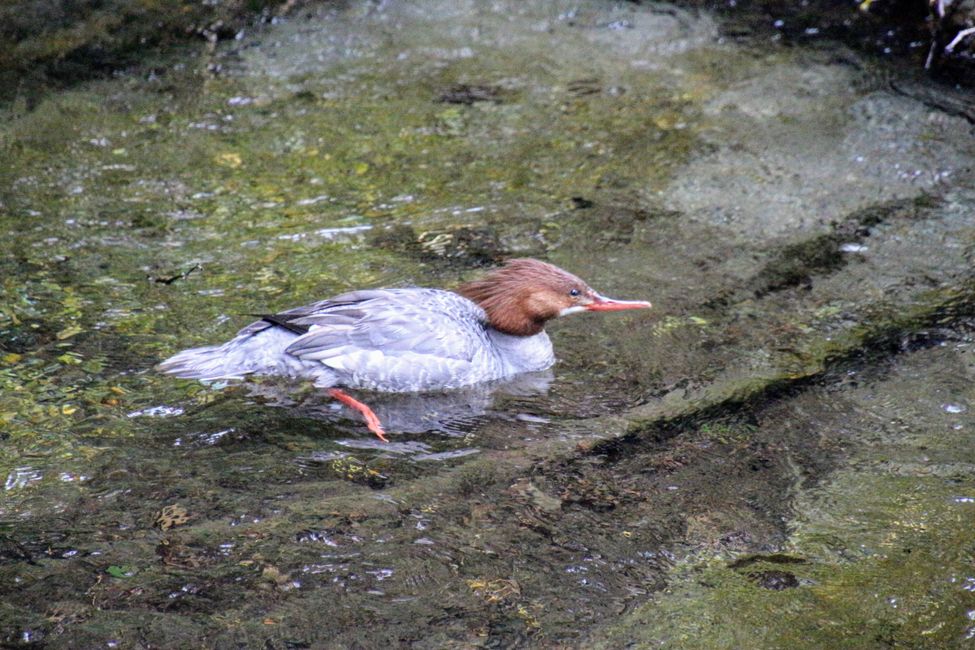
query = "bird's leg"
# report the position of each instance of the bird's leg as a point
(372, 421)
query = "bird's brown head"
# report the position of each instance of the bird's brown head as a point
(524, 294)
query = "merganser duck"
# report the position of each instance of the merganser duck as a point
(407, 340)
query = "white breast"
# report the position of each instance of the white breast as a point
(523, 353)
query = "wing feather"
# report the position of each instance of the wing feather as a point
(400, 334)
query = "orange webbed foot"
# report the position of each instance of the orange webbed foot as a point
(372, 420)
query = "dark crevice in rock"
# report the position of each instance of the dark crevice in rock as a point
(798, 263)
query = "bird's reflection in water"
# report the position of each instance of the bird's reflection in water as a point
(451, 413)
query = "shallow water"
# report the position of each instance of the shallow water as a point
(803, 230)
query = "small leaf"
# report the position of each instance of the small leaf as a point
(68, 332)
(94, 366)
(172, 515)
(231, 160)
(123, 571)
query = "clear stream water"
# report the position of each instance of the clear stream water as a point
(796, 467)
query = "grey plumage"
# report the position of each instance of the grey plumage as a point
(391, 340)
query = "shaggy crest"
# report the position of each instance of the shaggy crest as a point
(521, 296)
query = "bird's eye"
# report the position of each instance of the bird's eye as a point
(574, 292)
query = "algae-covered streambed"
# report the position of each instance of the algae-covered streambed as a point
(780, 454)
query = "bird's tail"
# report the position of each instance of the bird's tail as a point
(255, 350)
(206, 363)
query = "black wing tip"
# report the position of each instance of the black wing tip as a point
(281, 320)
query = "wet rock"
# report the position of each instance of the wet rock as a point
(68, 42)
(539, 499)
(608, 225)
(471, 246)
(774, 580)
(771, 558)
(468, 94)
(797, 263)
(399, 238)
(173, 552)
(583, 87)
(13, 551)
(594, 494)
(356, 471)
(948, 100)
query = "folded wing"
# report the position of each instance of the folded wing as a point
(391, 339)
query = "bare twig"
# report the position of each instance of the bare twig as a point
(958, 38)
